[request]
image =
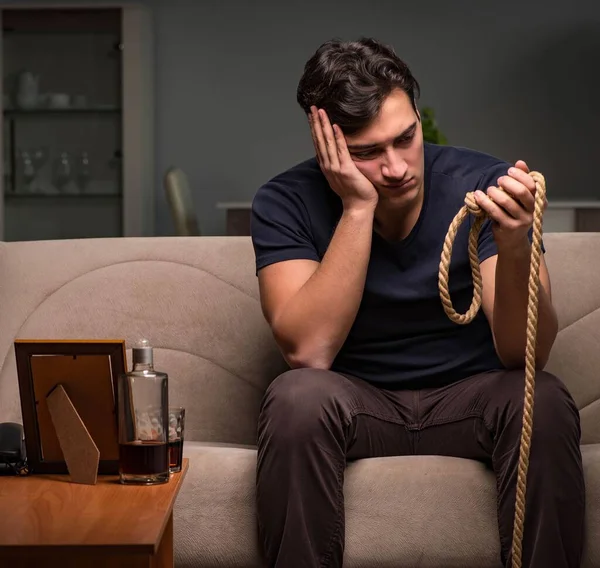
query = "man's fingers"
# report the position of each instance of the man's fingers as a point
(495, 211)
(504, 200)
(317, 136)
(330, 143)
(518, 191)
(522, 166)
(342, 148)
(313, 135)
(523, 177)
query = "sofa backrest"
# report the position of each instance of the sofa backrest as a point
(196, 300)
(574, 264)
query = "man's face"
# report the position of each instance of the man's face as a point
(389, 152)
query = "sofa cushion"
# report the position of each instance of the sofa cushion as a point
(430, 511)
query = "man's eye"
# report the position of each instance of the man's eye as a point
(404, 141)
(367, 155)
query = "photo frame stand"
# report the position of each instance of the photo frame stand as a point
(81, 453)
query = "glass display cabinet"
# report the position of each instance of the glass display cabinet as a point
(77, 122)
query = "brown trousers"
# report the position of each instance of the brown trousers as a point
(312, 421)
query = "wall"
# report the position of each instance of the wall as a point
(513, 79)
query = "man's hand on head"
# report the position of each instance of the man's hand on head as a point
(354, 189)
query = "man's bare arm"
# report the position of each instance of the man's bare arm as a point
(311, 306)
(506, 276)
(505, 297)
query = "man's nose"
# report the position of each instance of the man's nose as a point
(394, 166)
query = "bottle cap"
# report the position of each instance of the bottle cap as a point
(142, 352)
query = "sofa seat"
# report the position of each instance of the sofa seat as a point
(426, 511)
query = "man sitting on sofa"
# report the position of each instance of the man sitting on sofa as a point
(348, 247)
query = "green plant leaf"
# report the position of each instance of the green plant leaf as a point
(431, 131)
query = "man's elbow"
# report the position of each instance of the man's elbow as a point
(519, 361)
(302, 360)
(299, 355)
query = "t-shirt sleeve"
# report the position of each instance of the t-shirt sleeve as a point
(487, 245)
(280, 226)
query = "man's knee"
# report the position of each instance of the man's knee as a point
(555, 414)
(300, 402)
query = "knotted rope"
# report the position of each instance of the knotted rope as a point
(532, 323)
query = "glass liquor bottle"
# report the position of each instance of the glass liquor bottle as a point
(143, 411)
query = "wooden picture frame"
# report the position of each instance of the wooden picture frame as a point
(88, 371)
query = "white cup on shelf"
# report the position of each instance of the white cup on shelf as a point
(59, 100)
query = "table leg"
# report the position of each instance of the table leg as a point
(164, 555)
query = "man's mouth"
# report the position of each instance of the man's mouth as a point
(399, 185)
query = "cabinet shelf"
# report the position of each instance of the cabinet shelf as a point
(17, 195)
(8, 113)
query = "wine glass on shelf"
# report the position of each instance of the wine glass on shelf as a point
(83, 171)
(39, 157)
(30, 162)
(27, 170)
(62, 172)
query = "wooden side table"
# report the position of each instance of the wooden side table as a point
(47, 521)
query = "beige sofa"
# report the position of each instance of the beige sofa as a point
(196, 299)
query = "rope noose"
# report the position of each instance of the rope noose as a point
(532, 321)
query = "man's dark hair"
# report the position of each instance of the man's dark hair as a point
(351, 79)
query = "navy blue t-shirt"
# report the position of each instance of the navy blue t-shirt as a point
(401, 337)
